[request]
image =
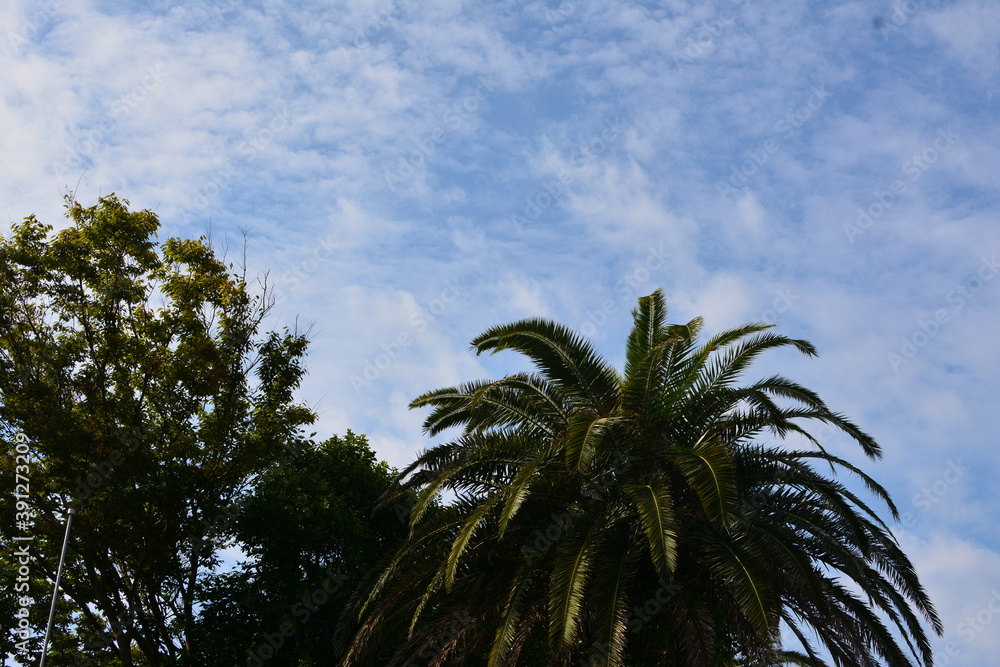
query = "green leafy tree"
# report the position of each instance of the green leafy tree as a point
(310, 535)
(652, 516)
(136, 371)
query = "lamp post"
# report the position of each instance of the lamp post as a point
(55, 592)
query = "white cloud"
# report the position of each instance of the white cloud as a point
(357, 247)
(968, 31)
(963, 580)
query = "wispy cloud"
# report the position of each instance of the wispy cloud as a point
(828, 168)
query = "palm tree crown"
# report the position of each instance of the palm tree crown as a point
(600, 517)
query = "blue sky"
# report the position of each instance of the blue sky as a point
(412, 173)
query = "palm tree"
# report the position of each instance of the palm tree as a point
(658, 516)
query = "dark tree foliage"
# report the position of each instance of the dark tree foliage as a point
(136, 371)
(310, 535)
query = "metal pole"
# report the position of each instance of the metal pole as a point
(55, 592)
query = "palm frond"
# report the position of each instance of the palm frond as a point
(561, 354)
(654, 505)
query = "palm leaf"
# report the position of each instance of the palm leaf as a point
(654, 505)
(584, 437)
(561, 354)
(649, 320)
(710, 470)
(611, 594)
(744, 575)
(570, 570)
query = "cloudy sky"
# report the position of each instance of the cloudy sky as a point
(409, 174)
